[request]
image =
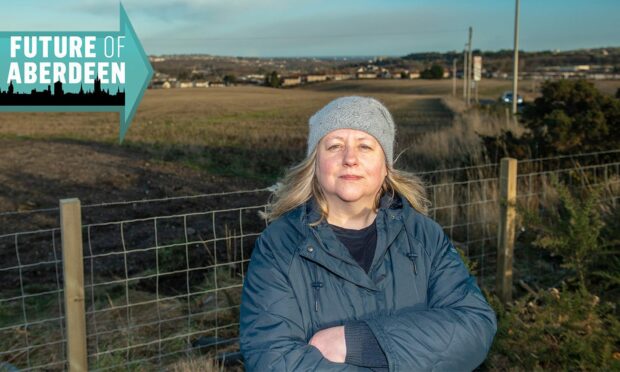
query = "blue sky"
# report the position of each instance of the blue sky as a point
(328, 28)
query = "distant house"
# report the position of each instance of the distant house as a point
(160, 84)
(201, 84)
(315, 78)
(254, 78)
(291, 81)
(411, 75)
(385, 74)
(185, 84)
(216, 84)
(366, 75)
(398, 74)
(340, 76)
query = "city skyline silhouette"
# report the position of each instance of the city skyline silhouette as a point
(58, 97)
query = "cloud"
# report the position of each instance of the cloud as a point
(349, 32)
(190, 10)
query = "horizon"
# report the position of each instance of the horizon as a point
(384, 56)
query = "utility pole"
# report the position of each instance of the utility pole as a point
(454, 77)
(469, 64)
(465, 73)
(515, 70)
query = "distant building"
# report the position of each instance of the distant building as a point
(160, 84)
(340, 76)
(289, 81)
(411, 75)
(315, 78)
(366, 75)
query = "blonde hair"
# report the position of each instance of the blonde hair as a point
(300, 184)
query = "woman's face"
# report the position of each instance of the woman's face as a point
(350, 167)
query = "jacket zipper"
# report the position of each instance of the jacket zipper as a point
(317, 286)
(411, 255)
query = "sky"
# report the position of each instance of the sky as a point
(299, 28)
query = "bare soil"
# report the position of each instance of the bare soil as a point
(37, 174)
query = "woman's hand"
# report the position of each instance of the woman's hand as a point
(331, 344)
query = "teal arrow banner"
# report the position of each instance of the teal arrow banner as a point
(74, 72)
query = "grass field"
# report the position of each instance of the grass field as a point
(234, 137)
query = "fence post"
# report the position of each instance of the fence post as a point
(73, 271)
(507, 225)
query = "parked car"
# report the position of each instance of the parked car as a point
(507, 98)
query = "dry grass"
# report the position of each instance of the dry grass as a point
(194, 364)
(249, 132)
(458, 145)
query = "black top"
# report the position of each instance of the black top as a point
(360, 243)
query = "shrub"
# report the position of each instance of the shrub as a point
(570, 116)
(273, 80)
(566, 329)
(572, 230)
(434, 72)
(556, 330)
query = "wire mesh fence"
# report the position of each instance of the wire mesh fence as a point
(165, 285)
(31, 303)
(468, 212)
(171, 283)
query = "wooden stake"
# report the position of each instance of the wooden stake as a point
(73, 266)
(507, 225)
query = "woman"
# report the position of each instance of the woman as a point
(351, 273)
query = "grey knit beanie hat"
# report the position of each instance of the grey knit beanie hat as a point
(360, 113)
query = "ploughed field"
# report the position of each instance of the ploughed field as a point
(181, 142)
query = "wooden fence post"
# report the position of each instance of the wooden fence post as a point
(507, 225)
(73, 271)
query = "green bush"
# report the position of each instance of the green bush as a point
(605, 271)
(556, 330)
(570, 116)
(434, 72)
(572, 328)
(273, 80)
(572, 230)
